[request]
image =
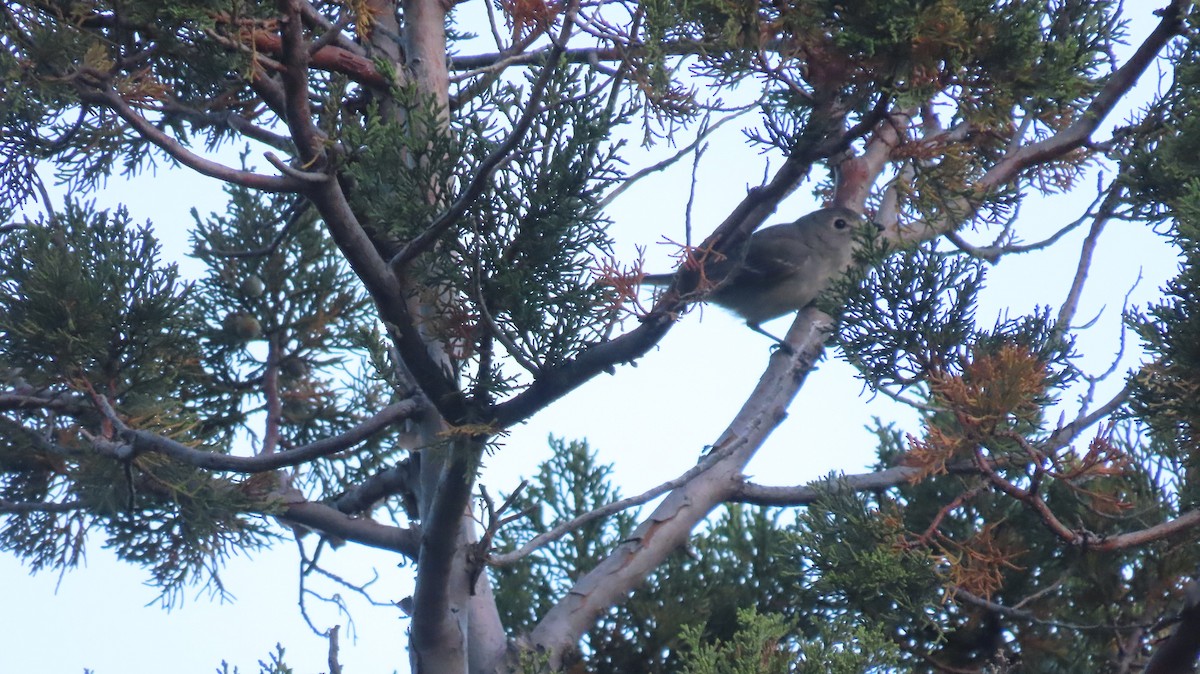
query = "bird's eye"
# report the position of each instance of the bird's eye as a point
(840, 223)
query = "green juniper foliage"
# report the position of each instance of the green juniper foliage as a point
(87, 310)
(750, 590)
(1162, 165)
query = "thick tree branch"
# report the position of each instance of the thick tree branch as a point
(1187, 523)
(330, 58)
(440, 551)
(1177, 654)
(328, 520)
(673, 520)
(445, 615)
(310, 141)
(385, 290)
(604, 511)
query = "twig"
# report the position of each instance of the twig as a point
(335, 667)
(1011, 612)
(305, 176)
(1063, 435)
(331, 34)
(704, 133)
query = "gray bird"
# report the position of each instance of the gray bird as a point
(782, 268)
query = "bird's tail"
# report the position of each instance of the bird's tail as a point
(657, 279)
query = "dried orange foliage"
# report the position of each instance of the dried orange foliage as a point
(977, 565)
(625, 280)
(696, 259)
(458, 323)
(1103, 459)
(994, 391)
(1091, 476)
(932, 453)
(364, 17)
(526, 17)
(993, 404)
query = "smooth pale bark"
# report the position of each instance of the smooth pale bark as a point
(672, 522)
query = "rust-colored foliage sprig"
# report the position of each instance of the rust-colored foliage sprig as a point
(993, 392)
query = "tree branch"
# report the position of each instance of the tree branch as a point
(398, 479)
(229, 120)
(1074, 136)
(1063, 435)
(385, 290)
(145, 441)
(802, 495)
(1066, 313)
(142, 126)
(672, 521)
(565, 528)
(752, 211)
(323, 518)
(69, 403)
(1118, 84)
(1185, 523)
(310, 141)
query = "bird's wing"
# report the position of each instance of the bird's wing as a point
(716, 267)
(776, 253)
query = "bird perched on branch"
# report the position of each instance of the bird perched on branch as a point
(781, 268)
